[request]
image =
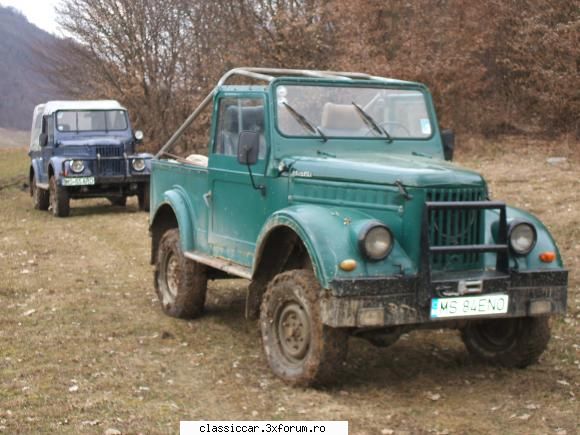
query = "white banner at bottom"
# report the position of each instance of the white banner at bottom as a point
(263, 427)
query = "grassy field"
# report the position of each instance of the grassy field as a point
(85, 348)
(13, 138)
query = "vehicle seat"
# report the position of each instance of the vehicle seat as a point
(341, 117)
(229, 132)
(197, 160)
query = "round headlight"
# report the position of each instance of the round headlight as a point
(77, 166)
(522, 237)
(138, 164)
(376, 241)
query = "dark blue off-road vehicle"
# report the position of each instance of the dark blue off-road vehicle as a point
(85, 149)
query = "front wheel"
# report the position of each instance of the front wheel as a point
(515, 342)
(181, 284)
(143, 196)
(299, 347)
(59, 199)
(40, 197)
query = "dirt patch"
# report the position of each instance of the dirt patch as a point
(84, 346)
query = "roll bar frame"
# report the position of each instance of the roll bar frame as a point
(264, 74)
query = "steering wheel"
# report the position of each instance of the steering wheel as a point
(395, 123)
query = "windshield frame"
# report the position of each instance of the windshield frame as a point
(367, 84)
(106, 130)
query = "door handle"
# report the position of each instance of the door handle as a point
(207, 199)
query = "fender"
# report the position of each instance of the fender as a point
(36, 169)
(330, 235)
(145, 156)
(544, 243)
(177, 199)
(55, 163)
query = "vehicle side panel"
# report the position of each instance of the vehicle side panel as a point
(183, 187)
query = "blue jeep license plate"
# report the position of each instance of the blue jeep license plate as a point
(78, 181)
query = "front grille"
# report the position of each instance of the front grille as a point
(456, 227)
(111, 160)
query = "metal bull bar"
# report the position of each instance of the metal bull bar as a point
(501, 248)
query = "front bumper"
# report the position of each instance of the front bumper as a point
(383, 302)
(121, 179)
(109, 186)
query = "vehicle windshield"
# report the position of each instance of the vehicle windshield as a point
(91, 120)
(361, 112)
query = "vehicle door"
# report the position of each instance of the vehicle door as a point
(35, 150)
(238, 210)
(47, 150)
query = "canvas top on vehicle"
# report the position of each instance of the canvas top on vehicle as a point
(84, 149)
(51, 107)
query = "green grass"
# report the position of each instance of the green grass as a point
(97, 325)
(13, 138)
(13, 165)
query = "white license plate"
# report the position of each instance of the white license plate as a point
(467, 306)
(78, 181)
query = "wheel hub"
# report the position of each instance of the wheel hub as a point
(171, 278)
(294, 331)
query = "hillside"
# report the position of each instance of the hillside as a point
(22, 84)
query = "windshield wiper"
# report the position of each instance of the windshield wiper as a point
(304, 122)
(370, 121)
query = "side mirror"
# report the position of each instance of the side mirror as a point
(43, 139)
(248, 147)
(138, 136)
(448, 138)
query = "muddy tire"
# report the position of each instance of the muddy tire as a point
(120, 201)
(59, 200)
(181, 284)
(143, 196)
(40, 197)
(508, 342)
(299, 348)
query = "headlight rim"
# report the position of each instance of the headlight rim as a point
(363, 234)
(72, 166)
(138, 159)
(512, 226)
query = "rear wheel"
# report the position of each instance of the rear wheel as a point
(59, 200)
(299, 347)
(181, 284)
(515, 342)
(40, 197)
(143, 196)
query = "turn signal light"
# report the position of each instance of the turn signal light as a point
(348, 265)
(547, 257)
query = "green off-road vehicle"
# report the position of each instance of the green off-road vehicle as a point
(332, 193)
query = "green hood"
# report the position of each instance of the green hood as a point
(411, 171)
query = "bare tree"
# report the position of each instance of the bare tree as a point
(132, 50)
(161, 57)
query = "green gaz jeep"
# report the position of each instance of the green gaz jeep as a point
(331, 192)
